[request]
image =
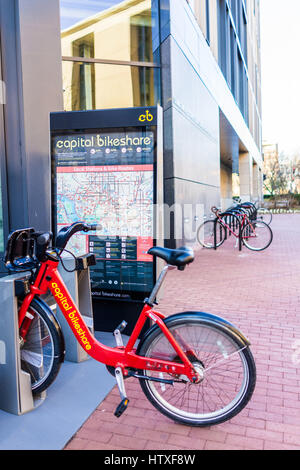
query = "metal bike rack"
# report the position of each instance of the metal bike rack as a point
(16, 395)
(78, 284)
(231, 223)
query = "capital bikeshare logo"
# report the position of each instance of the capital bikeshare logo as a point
(71, 312)
(100, 140)
(146, 117)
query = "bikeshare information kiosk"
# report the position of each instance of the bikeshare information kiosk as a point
(107, 169)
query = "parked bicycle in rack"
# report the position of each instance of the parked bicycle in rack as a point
(239, 221)
(259, 213)
(194, 367)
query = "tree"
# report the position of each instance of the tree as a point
(276, 181)
(295, 174)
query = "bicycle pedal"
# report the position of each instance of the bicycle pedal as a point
(122, 326)
(121, 407)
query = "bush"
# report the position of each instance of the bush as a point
(297, 198)
(294, 200)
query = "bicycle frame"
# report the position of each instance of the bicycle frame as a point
(245, 218)
(48, 277)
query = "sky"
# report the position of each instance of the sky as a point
(280, 47)
(73, 11)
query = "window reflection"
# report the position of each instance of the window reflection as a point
(74, 11)
(123, 32)
(124, 38)
(99, 86)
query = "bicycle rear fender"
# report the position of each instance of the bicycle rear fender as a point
(54, 320)
(207, 318)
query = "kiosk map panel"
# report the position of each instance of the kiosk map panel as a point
(108, 178)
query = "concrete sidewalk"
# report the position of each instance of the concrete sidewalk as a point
(260, 294)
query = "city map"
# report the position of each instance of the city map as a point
(120, 198)
(107, 179)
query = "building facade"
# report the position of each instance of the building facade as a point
(198, 59)
(201, 61)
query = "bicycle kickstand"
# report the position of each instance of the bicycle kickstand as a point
(124, 400)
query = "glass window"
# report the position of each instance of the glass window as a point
(207, 21)
(100, 86)
(119, 42)
(111, 30)
(232, 60)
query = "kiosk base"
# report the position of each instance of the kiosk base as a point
(16, 395)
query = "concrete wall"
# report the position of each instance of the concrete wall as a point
(31, 67)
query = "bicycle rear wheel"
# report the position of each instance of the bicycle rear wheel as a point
(42, 350)
(257, 235)
(219, 355)
(205, 234)
(265, 215)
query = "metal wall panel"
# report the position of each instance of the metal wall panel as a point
(191, 123)
(31, 57)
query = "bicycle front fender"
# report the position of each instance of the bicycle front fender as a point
(208, 318)
(55, 322)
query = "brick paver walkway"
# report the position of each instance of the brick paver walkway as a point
(259, 293)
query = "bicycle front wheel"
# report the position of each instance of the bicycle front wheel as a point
(265, 215)
(206, 234)
(42, 349)
(224, 361)
(257, 235)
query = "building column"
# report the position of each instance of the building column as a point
(226, 186)
(245, 172)
(255, 181)
(260, 185)
(32, 72)
(235, 167)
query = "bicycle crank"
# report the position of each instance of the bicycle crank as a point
(124, 400)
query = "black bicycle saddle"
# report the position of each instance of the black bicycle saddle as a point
(175, 257)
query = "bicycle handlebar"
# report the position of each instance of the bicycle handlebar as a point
(215, 210)
(66, 233)
(94, 227)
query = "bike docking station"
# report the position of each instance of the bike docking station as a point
(107, 169)
(16, 395)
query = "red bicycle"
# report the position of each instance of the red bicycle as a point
(194, 367)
